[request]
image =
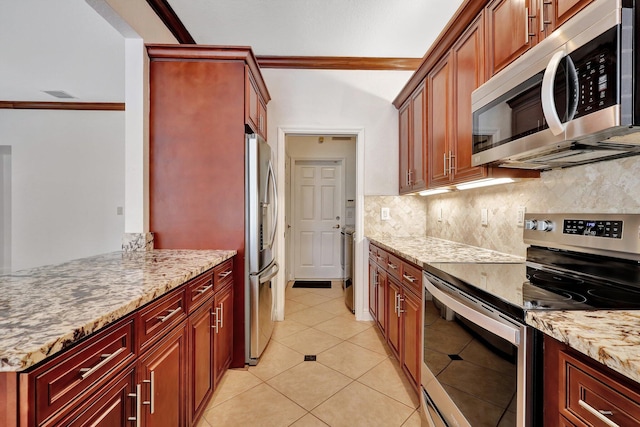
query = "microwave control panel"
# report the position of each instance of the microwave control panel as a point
(596, 70)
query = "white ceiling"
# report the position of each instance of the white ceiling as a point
(378, 28)
(66, 45)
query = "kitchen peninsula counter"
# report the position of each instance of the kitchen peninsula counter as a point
(47, 309)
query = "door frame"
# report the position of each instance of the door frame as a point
(290, 267)
(361, 293)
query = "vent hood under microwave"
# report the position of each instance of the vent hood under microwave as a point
(569, 100)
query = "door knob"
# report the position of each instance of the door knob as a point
(336, 226)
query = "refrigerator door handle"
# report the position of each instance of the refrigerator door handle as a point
(272, 175)
(274, 271)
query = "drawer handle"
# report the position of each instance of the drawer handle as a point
(599, 414)
(392, 266)
(205, 289)
(106, 358)
(151, 383)
(409, 278)
(138, 397)
(171, 314)
(225, 274)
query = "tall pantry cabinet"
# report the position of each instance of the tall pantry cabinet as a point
(202, 100)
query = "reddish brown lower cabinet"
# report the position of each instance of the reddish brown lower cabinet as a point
(400, 310)
(113, 407)
(162, 372)
(201, 329)
(394, 292)
(581, 392)
(223, 332)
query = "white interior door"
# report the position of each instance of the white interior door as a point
(318, 202)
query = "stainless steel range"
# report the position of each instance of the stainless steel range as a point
(480, 359)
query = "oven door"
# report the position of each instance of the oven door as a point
(477, 362)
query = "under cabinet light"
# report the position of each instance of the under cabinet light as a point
(484, 183)
(432, 192)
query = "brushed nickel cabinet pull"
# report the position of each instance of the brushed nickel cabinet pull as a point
(171, 314)
(137, 396)
(225, 274)
(598, 414)
(409, 278)
(151, 383)
(205, 289)
(106, 358)
(215, 320)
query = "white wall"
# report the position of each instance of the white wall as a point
(335, 99)
(354, 102)
(67, 182)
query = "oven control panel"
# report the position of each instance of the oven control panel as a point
(592, 227)
(608, 234)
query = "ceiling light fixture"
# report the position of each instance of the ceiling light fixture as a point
(433, 192)
(484, 183)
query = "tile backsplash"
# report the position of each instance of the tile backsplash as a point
(606, 187)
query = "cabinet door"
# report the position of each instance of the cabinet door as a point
(405, 121)
(162, 374)
(418, 142)
(262, 119)
(509, 31)
(468, 73)
(411, 336)
(223, 337)
(439, 122)
(381, 300)
(251, 103)
(562, 10)
(394, 294)
(201, 324)
(373, 289)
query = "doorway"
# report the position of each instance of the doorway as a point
(320, 179)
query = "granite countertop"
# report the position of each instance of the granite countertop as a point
(44, 310)
(610, 337)
(429, 250)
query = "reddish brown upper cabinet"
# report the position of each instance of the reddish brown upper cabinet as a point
(450, 84)
(413, 143)
(511, 31)
(201, 100)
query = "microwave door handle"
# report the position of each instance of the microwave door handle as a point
(574, 86)
(275, 204)
(548, 98)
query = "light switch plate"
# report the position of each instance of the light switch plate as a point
(484, 220)
(384, 214)
(520, 216)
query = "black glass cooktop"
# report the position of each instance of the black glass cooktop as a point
(549, 280)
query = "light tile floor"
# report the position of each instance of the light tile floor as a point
(354, 382)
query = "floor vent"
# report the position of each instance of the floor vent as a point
(454, 357)
(309, 357)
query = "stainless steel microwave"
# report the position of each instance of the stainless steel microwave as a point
(569, 100)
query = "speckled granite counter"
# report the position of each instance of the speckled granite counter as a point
(610, 337)
(44, 310)
(429, 250)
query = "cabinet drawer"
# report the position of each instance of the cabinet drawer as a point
(160, 316)
(222, 274)
(199, 289)
(393, 266)
(589, 395)
(412, 277)
(382, 258)
(373, 252)
(80, 370)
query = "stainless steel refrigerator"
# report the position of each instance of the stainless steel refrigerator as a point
(262, 213)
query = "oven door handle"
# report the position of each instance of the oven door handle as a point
(503, 330)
